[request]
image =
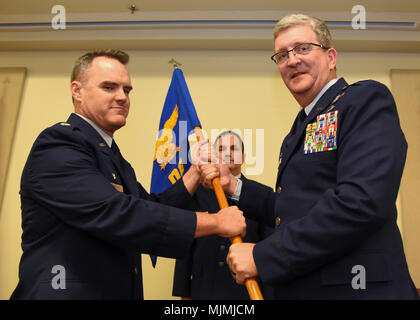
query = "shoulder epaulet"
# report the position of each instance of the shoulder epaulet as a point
(62, 125)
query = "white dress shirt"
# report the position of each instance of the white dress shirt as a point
(310, 106)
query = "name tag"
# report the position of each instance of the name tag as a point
(321, 135)
(118, 187)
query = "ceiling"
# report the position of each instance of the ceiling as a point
(202, 25)
(43, 6)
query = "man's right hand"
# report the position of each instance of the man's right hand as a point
(228, 222)
(231, 222)
(211, 171)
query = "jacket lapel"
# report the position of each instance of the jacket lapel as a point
(88, 131)
(125, 171)
(294, 140)
(326, 100)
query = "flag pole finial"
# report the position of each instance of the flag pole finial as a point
(175, 63)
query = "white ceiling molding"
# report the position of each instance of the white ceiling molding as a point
(206, 15)
(201, 30)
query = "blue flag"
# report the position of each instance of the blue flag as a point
(177, 122)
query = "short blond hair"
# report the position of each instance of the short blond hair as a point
(318, 26)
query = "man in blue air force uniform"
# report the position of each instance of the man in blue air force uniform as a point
(339, 173)
(85, 218)
(204, 274)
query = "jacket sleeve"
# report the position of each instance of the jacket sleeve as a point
(176, 195)
(182, 283)
(257, 202)
(370, 160)
(182, 276)
(62, 176)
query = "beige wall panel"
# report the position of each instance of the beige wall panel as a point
(406, 89)
(230, 89)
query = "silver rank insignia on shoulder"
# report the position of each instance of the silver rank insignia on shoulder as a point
(334, 101)
(330, 108)
(114, 176)
(101, 144)
(337, 98)
(65, 124)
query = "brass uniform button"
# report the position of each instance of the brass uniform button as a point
(222, 247)
(278, 190)
(136, 270)
(221, 264)
(277, 221)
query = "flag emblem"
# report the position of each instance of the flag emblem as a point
(166, 148)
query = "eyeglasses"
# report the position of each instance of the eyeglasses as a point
(301, 49)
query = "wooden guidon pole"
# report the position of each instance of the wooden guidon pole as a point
(251, 284)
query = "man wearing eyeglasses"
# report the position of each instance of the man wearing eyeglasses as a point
(339, 173)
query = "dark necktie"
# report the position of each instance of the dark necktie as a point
(296, 128)
(118, 159)
(300, 120)
(116, 154)
(115, 148)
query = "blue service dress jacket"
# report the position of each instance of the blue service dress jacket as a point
(334, 211)
(204, 274)
(84, 211)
